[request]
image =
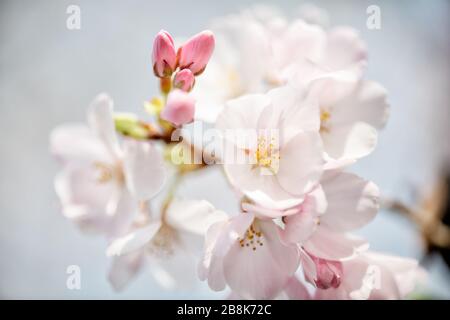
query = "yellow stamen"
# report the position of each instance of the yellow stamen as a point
(267, 154)
(324, 120)
(249, 238)
(108, 172)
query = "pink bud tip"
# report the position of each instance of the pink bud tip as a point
(329, 273)
(184, 80)
(164, 57)
(195, 53)
(180, 108)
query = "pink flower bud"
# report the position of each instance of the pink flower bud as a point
(164, 56)
(180, 108)
(195, 53)
(184, 80)
(328, 273)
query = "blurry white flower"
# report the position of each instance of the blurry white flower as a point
(101, 183)
(169, 246)
(257, 51)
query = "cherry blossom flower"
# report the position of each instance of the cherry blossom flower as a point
(247, 254)
(283, 48)
(102, 182)
(292, 110)
(375, 276)
(276, 163)
(351, 112)
(168, 246)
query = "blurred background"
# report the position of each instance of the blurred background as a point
(49, 74)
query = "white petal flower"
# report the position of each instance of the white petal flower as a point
(248, 255)
(278, 162)
(100, 184)
(255, 54)
(170, 246)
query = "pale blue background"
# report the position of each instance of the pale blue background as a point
(49, 74)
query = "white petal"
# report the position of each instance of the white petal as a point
(301, 163)
(243, 112)
(253, 182)
(175, 271)
(406, 272)
(344, 48)
(299, 227)
(123, 269)
(357, 109)
(194, 216)
(302, 221)
(84, 199)
(352, 201)
(264, 200)
(210, 266)
(262, 212)
(290, 112)
(101, 121)
(123, 209)
(143, 168)
(219, 238)
(260, 273)
(363, 101)
(238, 120)
(76, 143)
(300, 42)
(330, 245)
(350, 142)
(134, 240)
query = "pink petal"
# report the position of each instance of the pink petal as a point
(164, 57)
(179, 109)
(296, 290)
(299, 226)
(195, 53)
(184, 80)
(260, 273)
(219, 238)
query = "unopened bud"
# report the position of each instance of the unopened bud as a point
(184, 80)
(195, 53)
(179, 109)
(164, 55)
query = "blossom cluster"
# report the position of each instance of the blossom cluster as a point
(295, 95)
